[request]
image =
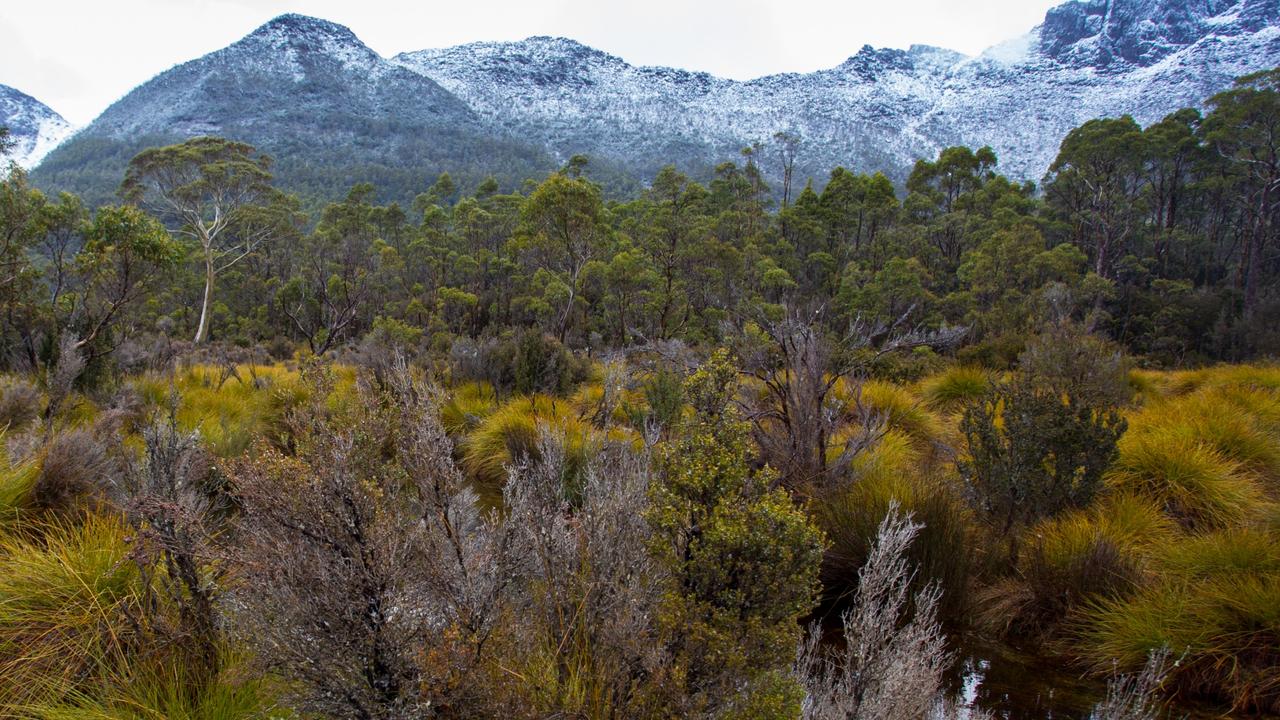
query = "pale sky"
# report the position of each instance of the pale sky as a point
(78, 56)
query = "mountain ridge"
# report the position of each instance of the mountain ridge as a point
(526, 106)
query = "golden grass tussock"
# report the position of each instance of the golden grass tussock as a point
(1131, 524)
(1067, 561)
(886, 473)
(621, 408)
(1184, 382)
(163, 691)
(231, 413)
(78, 637)
(900, 409)
(1193, 482)
(893, 456)
(17, 486)
(468, 405)
(1235, 422)
(511, 433)
(1148, 385)
(1210, 451)
(66, 599)
(1182, 551)
(1216, 599)
(953, 388)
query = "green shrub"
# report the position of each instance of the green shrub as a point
(742, 557)
(1033, 452)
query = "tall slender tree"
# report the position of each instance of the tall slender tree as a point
(1244, 129)
(203, 186)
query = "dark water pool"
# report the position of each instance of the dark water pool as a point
(1020, 686)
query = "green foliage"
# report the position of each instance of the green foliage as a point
(541, 365)
(664, 398)
(743, 558)
(1038, 445)
(530, 362)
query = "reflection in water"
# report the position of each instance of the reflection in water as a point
(1017, 687)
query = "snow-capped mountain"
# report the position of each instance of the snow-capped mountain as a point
(333, 112)
(34, 128)
(881, 109)
(308, 92)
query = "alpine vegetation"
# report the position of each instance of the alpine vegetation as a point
(514, 382)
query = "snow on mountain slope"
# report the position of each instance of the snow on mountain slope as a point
(34, 128)
(295, 72)
(881, 109)
(333, 112)
(308, 92)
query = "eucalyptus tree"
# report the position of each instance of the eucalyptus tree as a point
(1244, 129)
(564, 220)
(204, 186)
(1098, 184)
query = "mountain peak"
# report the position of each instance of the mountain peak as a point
(34, 127)
(308, 91)
(292, 28)
(558, 42)
(306, 45)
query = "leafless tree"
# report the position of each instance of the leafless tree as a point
(798, 368)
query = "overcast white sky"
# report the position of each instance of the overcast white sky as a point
(78, 56)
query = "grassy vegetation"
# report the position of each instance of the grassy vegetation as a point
(66, 597)
(1204, 447)
(230, 411)
(1214, 597)
(511, 434)
(17, 483)
(952, 388)
(1181, 550)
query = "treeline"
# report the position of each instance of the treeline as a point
(1163, 238)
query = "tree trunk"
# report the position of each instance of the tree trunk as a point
(202, 331)
(1253, 251)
